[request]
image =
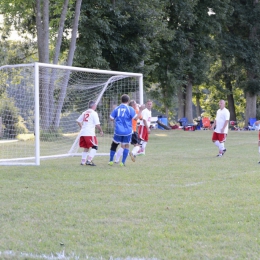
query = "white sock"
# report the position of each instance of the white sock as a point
(135, 150)
(92, 154)
(84, 157)
(144, 145)
(119, 154)
(221, 147)
(259, 149)
(217, 143)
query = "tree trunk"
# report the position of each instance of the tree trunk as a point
(251, 98)
(231, 103)
(56, 58)
(181, 106)
(198, 107)
(69, 63)
(188, 102)
(250, 107)
(42, 25)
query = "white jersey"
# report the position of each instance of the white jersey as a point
(146, 115)
(89, 119)
(222, 116)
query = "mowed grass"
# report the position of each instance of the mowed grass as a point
(179, 201)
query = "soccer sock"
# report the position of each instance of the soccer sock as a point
(135, 150)
(112, 154)
(92, 154)
(144, 145)
(125, 154)
(221, 147)
(259, 149)
(119, 154)
(217, 143)
(84, 157)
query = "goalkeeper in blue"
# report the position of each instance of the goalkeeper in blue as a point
(122, 116)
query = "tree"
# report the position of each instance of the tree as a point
(244, 28)
(40, 17)
(187, 56)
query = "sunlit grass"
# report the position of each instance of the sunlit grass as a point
(179, 201)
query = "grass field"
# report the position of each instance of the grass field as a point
(179, 201)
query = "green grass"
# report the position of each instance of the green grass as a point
(178, 202)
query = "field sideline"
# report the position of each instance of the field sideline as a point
(179, 201)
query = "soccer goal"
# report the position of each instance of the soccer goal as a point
(39, 105)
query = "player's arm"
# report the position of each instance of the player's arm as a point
(213, 125)
(257, 122)
(224, 126)
(100, 130)
(79, 124)
(146, 125)
(139, 115)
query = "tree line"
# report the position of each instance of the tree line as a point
(191, 52)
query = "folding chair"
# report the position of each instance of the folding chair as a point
(251, 123)
(206, 123)
(185, 125)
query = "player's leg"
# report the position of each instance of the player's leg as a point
(83, 144)
(116, 140)
(118, 154)
(135, 141)
(84, 156)
(125, 144)
(143, 135)
(216, 141)
(222, 139)
(91, 156)
(136, 149)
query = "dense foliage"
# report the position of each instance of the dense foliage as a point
(188, 50)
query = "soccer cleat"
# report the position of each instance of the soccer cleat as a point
(90, 163)
(111, 163)
(220, 155)
(83, 162)
(132, 156)
(140, 154)
(122, 164)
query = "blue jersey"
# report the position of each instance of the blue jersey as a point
(123, 115)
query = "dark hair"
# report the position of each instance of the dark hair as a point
(91, 103)
(125, 98)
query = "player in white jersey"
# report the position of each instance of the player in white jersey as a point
(88, 121)
(221, 128)
(144, 128)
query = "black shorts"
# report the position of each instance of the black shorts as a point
(135, 139)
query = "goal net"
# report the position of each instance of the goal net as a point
(40, 103)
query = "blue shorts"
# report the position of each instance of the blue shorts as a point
(122, 139)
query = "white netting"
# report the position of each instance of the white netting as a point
(64, 93)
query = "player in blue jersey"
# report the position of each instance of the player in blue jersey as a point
(122, 116)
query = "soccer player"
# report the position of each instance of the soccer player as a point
(122, 116)
(221, 128)
(144, 128)
(87, 122)
(135, 141)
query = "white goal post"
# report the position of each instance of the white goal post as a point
(40, 102)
